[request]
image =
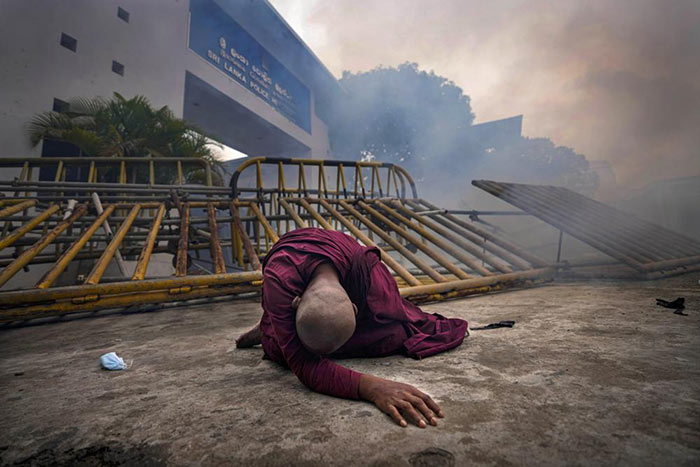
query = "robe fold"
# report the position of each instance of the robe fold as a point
(386, 323)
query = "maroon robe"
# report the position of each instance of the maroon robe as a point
(386, 323)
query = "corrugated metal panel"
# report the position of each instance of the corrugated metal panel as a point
(642, 245)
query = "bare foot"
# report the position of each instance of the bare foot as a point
(249, 338)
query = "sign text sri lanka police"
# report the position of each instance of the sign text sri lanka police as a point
(220, 40)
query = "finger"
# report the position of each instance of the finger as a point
(393, 413)
(413, 414)
(420, 405)
(431, 403)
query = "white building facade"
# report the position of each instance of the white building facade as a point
(232, 67)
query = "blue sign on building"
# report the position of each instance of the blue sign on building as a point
(221, 41)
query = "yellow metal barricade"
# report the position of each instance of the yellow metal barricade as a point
(126, 211)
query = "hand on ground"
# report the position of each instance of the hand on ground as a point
(399, 400)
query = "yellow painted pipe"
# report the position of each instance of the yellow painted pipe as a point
(236, 246)
(466, 243)
(471, 248)
(93, 303)
(444, 287)
(214, 243)
(301, 223)
(266, 225)
(422, 265)
(24, 259)
(99, 269)
(20, 231)
(440, 258)
(183, 242)
(11, 201)
(65, 259)
(391, 262)
(8, 211)
(485, 235)
(421, 299)
(23, 297)
(316, 215)
(245, 239)
(145, 256)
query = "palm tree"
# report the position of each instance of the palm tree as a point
(121, 127)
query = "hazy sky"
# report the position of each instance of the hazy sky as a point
(617, 80)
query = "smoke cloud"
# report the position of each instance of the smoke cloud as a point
(615, 80)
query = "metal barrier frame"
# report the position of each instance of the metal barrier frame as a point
(395, 173)
(96, 165)
(433, 254)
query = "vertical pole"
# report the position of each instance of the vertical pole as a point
(561, 235)
(214, 243)
(181, 259)
(207, 169)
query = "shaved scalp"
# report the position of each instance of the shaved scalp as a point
(325, 318)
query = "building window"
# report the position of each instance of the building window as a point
(70, 43)
(60, 106)
(123, 14)
(118, 68)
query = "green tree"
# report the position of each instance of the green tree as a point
(120, 127)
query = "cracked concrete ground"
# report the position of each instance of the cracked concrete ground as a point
(591, 374)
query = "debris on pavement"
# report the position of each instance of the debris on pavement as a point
(111, 361)
(678, 305)
(500, 324)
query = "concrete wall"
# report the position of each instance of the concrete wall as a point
(152, 46)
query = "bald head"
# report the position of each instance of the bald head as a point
(325, 317)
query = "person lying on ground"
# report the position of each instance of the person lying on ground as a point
(325, 295)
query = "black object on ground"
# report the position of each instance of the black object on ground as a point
(500, 324)
(678, 305)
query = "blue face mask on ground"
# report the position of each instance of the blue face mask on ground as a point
(110, 361)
